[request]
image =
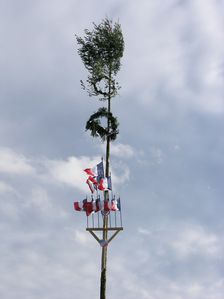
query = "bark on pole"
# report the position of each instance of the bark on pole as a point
(103, 278)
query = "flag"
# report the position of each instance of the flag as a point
(89, 208)
(114, 205)
(102, 185)
(99, 205)
(93, 180)
(91, 185)
(91, 171)
(84, 204)
(96, 175)
(96, 172)
(119, 204)
(106, 205)
(109, 183)
(100, 171)
(94, 207)
(80, 205)
(105, 184)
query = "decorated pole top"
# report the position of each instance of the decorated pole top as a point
(101, 51)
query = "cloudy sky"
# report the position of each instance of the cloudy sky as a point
(167, 162)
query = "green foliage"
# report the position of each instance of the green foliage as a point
(101, 50)
(97, 130)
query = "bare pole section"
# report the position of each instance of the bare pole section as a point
(103, 277)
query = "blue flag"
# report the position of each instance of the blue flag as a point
(119, 204)
(100, 171)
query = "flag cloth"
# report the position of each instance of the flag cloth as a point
(94, 207)
(84, 205)
(93, 180)
(100, 171)
(107, 206)
(119, 204)
(91, 185)
(91, 171)
(78, 206)
(97, 205)
(114, 206)
(96, 172)
(109, 183)
(89, 208)
(105, 184)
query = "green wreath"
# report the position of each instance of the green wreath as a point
(94, 125)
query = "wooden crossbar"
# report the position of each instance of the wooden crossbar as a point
(115, 229)
(102, 229)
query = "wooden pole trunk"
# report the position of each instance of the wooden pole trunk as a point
(103, 278)
(104, 261)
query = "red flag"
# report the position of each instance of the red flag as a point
(96, 171)
(107, 205)
(78, 206)
(94, 181)
(114, 206)
(90, 185)
(90, 171)
(99, 205)
(89, 208)
(103, 184)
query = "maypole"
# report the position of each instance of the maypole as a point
(101, 50)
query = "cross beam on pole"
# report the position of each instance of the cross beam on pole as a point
(103, 242)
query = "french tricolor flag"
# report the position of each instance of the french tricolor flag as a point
(96, 172)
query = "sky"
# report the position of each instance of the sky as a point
(167, 162)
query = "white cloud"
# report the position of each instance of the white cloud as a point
(121, 150)
(196, 240)
(14, 163)
(70, 171)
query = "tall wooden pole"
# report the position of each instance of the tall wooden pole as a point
(106, 197)
(104, 261)
(101, 50)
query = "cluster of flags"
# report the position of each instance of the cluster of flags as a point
(97, 205)
(96, 179)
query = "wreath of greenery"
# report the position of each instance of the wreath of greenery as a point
(97, 130)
